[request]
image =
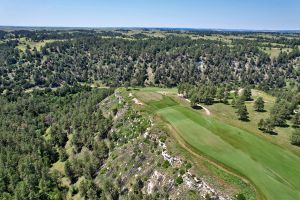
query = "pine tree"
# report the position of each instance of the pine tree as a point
(268, 126)
(239, 102)
(280, 113)
(220, 94)
(296, 120)
(295, 139)
(193, 101)
(225, 99)
(242, 112)
(240, 197)
(233, 102)
(259, 104)
(246, 94)
(261, 124)
(69, 171)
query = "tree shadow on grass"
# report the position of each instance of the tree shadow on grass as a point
(261, 111)
(284, 126)
(268, 132)
(297, 145)
(196, 107)
(244, 120)
(272, 133)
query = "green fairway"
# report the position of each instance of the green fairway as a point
(273, 170)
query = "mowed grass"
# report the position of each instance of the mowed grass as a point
(273, 170)
(227, 114)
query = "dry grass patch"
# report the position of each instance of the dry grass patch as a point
(148, 96)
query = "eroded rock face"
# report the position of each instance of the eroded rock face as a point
(190, 181)
(160, 179)
(156, 180)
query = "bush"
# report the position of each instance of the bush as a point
(188, 166)
(240, 197)
(207, 196)
(179, 180)
(166, 164)
(181, 171)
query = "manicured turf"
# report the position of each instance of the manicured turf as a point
(274, 170)
(227, 114)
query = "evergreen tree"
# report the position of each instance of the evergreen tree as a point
(193, 101)
(242, 112)
(296, 120)
(268, 126)
(246, 94)
(69, 171)
(295, 139)
(259, 104)
(261, 124)
(236, 93)
(225, 99)
(233, 102)
(220, 94)
(240, 197)
(239, 102)
(280, 113)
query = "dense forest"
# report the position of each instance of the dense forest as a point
(85, 56)
(29, 147)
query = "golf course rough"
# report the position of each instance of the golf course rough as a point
(273, 170)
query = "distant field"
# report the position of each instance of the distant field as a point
(23, 44)
(274, 170)
(274, 52)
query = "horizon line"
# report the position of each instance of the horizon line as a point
(150, 27)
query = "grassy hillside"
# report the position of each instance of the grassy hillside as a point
(227, 114)
(274, 170)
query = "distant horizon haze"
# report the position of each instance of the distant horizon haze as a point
(190, 14)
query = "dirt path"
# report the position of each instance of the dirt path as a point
(207, 112)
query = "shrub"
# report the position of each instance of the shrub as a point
(179, 180)
(166, 164)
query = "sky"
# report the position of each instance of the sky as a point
(218, 14)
